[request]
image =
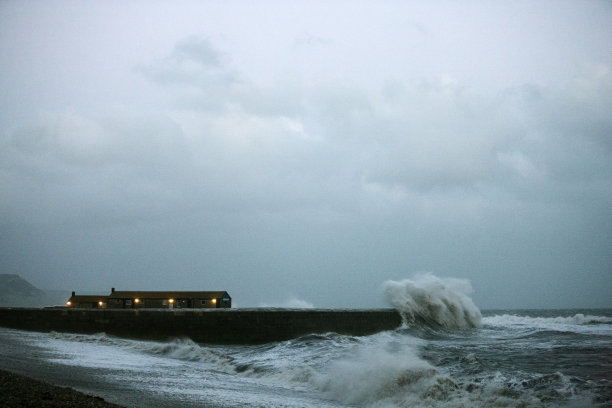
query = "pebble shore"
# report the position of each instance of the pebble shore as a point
(19, 391)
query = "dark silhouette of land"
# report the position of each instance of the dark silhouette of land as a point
(17, 292)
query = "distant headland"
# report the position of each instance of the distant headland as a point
(18, 292)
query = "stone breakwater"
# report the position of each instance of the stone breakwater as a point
(215, 326)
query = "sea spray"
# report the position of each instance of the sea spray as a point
(374, 375)
(434, 301)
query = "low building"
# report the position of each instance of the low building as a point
(153, 300)
(169, 300)
(87, 301)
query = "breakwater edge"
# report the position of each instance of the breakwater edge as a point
(216, 326)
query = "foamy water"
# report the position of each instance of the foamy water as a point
(447, 355)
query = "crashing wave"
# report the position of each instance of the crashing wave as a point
(442, 302)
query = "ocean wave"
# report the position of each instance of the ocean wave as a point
(438, 302)
(181, 349)
(96, 338)
(373, 375)
(388, 369)
(378, 377)
(558, 322)
(188, 350)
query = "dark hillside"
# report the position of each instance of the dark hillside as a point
(16, 291)
(14, 285)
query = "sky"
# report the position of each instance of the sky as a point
(302, 153)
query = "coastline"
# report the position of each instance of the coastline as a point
(21, 391)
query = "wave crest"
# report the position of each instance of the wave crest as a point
(434, 301)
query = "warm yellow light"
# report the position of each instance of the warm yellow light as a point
(136, 300)
(171, 300)
(68, 303)
(214, 300)
(100, 303)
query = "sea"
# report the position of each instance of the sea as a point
(447, 353)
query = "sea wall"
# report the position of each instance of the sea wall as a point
(215, 326)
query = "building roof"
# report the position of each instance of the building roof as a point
(167, 295)
(88, 298)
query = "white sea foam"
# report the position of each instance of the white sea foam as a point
(99, 350)
(103, 350)
(373, 375)
(580, 323)
(516, 320)
(432, 300)
(388, 372)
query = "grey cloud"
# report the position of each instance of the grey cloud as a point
(194, 61)
(108, 139)
(421, 137)
(444, 137)
(78, 168)
(424, 136)
(198, 50)
(432, 136)
(309, 40)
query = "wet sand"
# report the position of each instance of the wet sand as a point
(19, 391)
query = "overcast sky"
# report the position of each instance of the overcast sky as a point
(303, 152)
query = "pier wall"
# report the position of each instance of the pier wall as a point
(214, 326)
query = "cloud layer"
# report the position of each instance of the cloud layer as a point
(321, 180)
